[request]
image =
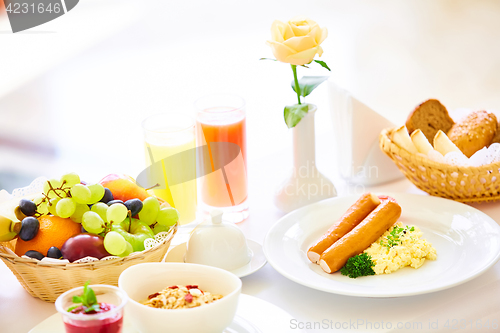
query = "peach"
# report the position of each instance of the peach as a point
(124, 187)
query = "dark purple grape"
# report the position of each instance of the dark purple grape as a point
(34, 254)
(27, 207)
(134, 205)
(108, 196)
(54, 252)
(29, 228)
(115, 201)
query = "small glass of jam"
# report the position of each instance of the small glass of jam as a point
(105, 316)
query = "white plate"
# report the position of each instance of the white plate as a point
(253, 316)
(467, 242)
(257, 262)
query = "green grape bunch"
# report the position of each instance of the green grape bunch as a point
(93, 206)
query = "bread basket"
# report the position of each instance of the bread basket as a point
(461, 183)
(48, 280)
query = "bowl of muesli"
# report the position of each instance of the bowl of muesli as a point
(180, 297)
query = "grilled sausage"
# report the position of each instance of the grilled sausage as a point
(351, 218)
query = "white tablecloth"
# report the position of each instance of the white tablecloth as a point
(466, 307)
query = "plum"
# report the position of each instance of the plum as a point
(84, 245)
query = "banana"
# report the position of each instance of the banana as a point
(20, 216)
(8, 228)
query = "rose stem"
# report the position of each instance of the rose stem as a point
(297, 87)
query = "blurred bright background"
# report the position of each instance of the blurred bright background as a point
(73, 91)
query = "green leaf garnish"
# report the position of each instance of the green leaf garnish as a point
(72, 308)
(87, 299)
(268, 59)
(94, 307)
(84, 295)
(308, 83)
(294, 113)
(91, 298)
(323, 64)
(360, 265)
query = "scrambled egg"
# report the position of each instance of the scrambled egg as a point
(407, 250)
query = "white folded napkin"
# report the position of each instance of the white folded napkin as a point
(357, 128)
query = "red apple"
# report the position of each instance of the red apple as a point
(84, 245)
(124, 187)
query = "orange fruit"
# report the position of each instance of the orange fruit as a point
(54, 231)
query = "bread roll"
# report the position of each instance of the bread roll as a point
(496, 138)
(474, 132)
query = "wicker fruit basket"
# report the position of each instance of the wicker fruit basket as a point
(49, 280)
(461, 183)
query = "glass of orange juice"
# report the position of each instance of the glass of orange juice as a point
(171, 159)
(222, 160)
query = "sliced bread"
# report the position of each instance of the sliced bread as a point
(403, 140)
(443, 144)
(430, 117)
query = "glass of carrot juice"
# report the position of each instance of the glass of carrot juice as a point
(222, 159)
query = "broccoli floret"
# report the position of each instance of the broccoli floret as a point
(360, 265)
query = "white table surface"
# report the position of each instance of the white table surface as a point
(476, 300)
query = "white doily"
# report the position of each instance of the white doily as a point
(35, 187)
(435, 156)
(495, 149)
(108, 258)
(92, 259)
(48, 260)
(84, 260)
(480, 157)
(159, 239)
(486, 156)
(456, 158)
